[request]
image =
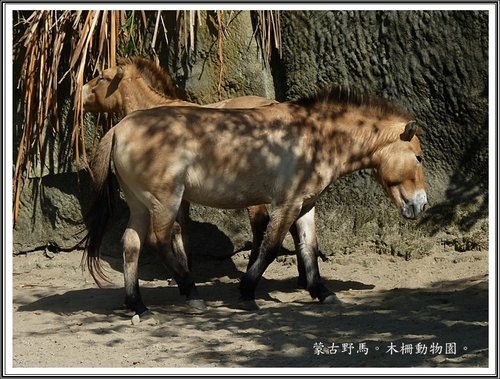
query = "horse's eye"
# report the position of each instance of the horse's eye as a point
(419, 158)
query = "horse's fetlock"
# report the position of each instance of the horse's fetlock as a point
(318, 291)
(302, 282)
(135, 304)
(247, 288)
(187, 287)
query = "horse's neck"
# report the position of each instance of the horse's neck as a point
(354, 147)
(139, 96)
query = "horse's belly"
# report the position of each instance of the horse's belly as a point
(223, 199)
(225, 190)
(210, 199)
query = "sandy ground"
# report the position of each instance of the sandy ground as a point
(62, 320)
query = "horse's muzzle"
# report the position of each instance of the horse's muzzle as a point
(85, 97)
(413, 207)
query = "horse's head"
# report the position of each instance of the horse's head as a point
(135, 83)
(102, 94)
(400, 171)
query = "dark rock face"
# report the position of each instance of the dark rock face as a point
(51, 212)
(222, 68)
(435, 63)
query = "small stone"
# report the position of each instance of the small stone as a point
(136, 320)
(49, 254)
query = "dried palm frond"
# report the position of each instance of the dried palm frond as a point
(47, 38)
(268, 24)
(63, 49)
(186, 28)
(43, 43)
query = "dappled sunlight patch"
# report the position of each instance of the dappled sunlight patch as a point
(282, 334)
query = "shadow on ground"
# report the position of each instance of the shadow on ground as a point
(283, 334)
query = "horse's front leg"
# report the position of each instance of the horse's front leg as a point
(306, 244)
(259, 218)
(281, 219)
(302, 279)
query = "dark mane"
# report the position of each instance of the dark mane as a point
(157, 78)
(344, 96)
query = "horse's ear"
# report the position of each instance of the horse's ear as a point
(410, 131)
(119, 72)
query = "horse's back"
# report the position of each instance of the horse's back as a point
(243, 102)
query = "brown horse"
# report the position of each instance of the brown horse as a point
(284, 155)
(138, 83)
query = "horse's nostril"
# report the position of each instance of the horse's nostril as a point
(415, 210)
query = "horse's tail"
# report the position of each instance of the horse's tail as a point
(101, 208)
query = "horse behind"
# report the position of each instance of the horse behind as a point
(137, 83)
(284, 155)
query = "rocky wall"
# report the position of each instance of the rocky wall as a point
(435, 63)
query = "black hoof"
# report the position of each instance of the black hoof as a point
(331, 299)
(197, 304)
(248, 305)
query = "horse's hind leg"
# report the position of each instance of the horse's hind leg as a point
(163, 227)
(307, 248)
(132, 241)
(180, 238)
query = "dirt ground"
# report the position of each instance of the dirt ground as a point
(417, 307)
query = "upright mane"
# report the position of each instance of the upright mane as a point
(345, 97)
(155, 76)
